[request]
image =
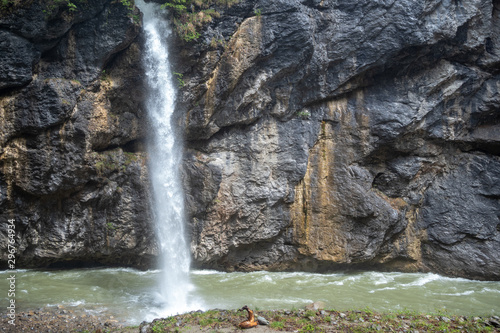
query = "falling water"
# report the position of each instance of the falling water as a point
(165, 154)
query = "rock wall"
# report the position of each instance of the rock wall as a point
(320, 135)
(72, 163)
(345, 134)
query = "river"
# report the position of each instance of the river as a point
(131, 296)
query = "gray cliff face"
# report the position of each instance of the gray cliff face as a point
(320, 135)
(72, 167)
(336, 134)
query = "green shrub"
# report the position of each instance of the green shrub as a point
(52, 6)
(304, 114)
(130, 6)
(189, 16)
(180, 81)
(110, 226)
(71, 6)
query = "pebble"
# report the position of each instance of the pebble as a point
(493, 322)
(58, 320)
(262, 320)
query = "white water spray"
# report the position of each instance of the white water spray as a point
(165, 157)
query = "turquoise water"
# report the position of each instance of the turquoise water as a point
(131, 296)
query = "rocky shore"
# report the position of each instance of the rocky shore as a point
(60, 320)
(308, 320)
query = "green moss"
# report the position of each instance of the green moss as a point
(310, 313)
(159, 327)
(110, 226)
(9, 6)
(110, 161)
(208, 322)
(104, 76)
(302, 321)
(304, 114)
(214, 43)
(365, 320)
(311, 328)
(277, 325)
(130, 158)
(368, 311)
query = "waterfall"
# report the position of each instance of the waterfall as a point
(165, 153)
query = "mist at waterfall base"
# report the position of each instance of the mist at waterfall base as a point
(129, 295)
(164, 161)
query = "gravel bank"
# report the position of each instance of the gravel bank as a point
(299, 321)
(60, 320)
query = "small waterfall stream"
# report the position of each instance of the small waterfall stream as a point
(165, 157)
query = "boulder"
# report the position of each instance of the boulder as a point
(316, 306)
(19, 56)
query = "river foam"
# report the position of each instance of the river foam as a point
(131, 296)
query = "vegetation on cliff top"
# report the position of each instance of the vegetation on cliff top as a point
(52, 7)
(189, 16)
(8, 6)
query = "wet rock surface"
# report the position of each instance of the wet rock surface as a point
(332, 134)
(319, 135)
(18, 59)
(73, 174)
